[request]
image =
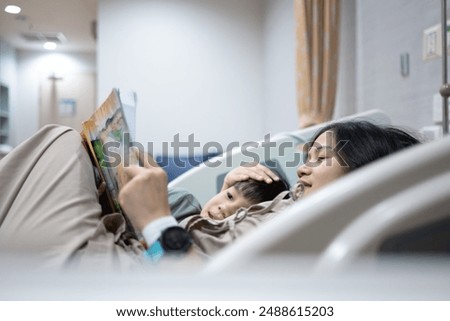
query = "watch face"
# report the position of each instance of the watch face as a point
(175, 239)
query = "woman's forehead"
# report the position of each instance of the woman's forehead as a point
(325, 140)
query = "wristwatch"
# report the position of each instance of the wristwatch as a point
(175, 240)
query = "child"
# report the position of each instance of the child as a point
(242, 194)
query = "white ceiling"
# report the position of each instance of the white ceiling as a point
(73, 18)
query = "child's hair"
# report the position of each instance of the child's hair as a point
(257, 191)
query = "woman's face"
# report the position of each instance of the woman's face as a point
(323, 165)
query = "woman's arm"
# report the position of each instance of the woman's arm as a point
(144, 198)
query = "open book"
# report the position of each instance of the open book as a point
(107, 134)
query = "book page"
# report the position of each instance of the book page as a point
(104, 133)
(129, 103)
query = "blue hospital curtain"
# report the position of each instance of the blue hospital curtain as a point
(317, 33)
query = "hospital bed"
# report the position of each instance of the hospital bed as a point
(415, 220)
(285, 156)
(365, 207)
(401, 203)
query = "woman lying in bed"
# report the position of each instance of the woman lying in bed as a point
(49, 204)
(335, 150)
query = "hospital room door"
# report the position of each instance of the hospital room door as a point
(68, 99)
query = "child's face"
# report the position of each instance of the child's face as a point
(224, 204)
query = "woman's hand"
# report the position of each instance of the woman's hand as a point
(254, 171)
(143, 194)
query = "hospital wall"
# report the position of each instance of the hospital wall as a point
(226, 69)
(385, 30)
(8, 78)
(196, 66)
(22, 71)
(32, 68)
(166, 54)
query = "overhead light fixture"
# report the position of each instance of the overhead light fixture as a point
(56, 37)
(49, 45)
(12, 9)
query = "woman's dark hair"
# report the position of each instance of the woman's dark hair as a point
(361, 142)
(257, 191)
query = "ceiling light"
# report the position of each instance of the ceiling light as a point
(56, 37)
(12, 9)
(50, 45)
